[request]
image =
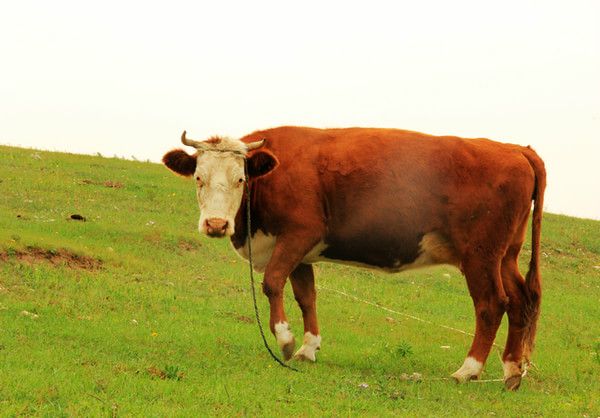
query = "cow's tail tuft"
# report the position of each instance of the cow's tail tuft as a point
(533, 281)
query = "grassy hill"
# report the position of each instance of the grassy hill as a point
(132, 313)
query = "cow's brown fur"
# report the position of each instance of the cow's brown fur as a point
(180, 162)
(379, 197)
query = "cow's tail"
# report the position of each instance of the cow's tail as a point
(533, 281)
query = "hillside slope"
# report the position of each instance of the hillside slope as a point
(132, 312)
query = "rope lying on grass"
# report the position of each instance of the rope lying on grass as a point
(377, 305)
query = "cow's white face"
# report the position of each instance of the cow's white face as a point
(218, 169)
(220, 182)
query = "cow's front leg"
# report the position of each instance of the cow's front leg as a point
(287, 254)
(273, 285)
(303, 283)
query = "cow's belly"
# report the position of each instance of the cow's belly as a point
(432, 249)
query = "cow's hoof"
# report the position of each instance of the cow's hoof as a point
(285, 340)
(305, 354)
(288, 349)
(464, 377)
(512, 383)
(470, 370)
(310, 346)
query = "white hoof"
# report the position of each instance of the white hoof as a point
(470, 370)
(310, 345)
(285, 339)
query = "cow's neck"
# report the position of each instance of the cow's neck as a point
(238, 239)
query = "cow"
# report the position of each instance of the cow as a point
(387, 199)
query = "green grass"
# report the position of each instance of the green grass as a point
(165, 326)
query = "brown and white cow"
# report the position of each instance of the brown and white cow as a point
(381, 198)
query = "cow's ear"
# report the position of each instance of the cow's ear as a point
(180, 162)
(260, 163)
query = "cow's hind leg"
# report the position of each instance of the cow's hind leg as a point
(513, 361)
(485, 287)
(303, 283)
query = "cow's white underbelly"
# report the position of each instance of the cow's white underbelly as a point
(262, 249)
(433, 251)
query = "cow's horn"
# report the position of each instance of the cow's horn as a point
(255, 145)
(189, 142)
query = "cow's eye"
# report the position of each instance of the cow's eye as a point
(240, 181)
(198, 181)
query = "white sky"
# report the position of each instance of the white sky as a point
(125, 78)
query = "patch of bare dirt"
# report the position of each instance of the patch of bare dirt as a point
(108, 183)
(238, 317)
(156, 372)
(113, 184)
(154, 238)
(62, 257)
(186, 245)
(244, 318)
(169, 372)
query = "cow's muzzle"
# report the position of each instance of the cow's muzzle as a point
(216, 227)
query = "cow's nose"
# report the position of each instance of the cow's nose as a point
(216, 227)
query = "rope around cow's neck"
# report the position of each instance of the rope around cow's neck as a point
(248, 235)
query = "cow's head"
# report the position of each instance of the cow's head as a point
(218, 169)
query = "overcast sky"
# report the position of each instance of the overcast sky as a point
(125, 78)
